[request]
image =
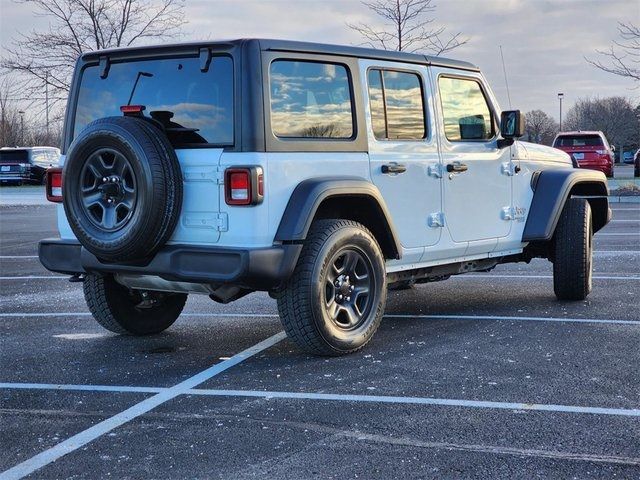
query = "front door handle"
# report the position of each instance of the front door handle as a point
(457, 167)
(393, 168)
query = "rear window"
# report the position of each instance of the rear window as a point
(14, 156)
(40, 156)
(310, 100)
(578, 141)
(195, 107)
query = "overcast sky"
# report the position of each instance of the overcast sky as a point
(544, 41)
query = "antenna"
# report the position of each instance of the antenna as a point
(504, 70)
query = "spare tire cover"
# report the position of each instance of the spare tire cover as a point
(122, 189)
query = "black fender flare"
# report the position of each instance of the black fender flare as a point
(552, 188)
(309, 195)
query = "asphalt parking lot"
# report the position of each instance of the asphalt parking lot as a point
(481, 376)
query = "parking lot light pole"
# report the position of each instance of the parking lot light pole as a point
(21, 112)
(560, 97)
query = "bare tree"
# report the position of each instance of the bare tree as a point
(540, 127)
(47, 57)
(408, 28)
(614, 116)
(623, 57)
(10, 133)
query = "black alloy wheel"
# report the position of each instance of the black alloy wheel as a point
(349, 282)
(108, 189)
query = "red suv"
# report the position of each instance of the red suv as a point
(589, 149)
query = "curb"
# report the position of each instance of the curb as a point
(624, 199)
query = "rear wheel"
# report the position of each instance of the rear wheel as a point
(133, 312)
(572, 273)
(334, 301)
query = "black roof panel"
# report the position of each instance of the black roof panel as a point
(297, 46)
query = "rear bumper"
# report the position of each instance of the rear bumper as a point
(256, 269)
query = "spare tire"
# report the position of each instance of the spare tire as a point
(122, 190)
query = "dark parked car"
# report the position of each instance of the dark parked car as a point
(589, 149)
(26, 164)
(627, 157)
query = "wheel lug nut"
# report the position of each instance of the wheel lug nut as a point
(352, 288)
(104, 179)
(348, 299)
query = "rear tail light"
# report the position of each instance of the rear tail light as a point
(602, 152)
(243, 185)
(54, 185)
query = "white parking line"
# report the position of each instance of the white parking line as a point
(391, 315)
(36, 277)
(79, 440)
(625, 221)
(339, 397)
(419, 401)
(80, 388)
(627, 234)
(7, 257)
(613, 253)
(537, 277)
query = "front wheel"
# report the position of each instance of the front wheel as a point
(334, 301)
(133, 312)
(572, 272)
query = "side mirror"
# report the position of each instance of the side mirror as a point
(512, 124)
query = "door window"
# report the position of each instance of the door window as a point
(465, 110)
(397, 106)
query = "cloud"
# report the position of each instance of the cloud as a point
(544, 41)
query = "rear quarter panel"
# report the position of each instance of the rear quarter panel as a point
(256, 226)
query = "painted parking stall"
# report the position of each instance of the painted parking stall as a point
(483, 374)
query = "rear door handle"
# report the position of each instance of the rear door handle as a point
(457, 167)
(393, 168)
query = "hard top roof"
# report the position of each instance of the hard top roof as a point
(297, 46)
(581, 132)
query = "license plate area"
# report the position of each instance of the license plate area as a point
(5, 168)
(578, 156)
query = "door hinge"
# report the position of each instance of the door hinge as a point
(220, 175)
(507, 169)
(222, 222)
(507, 213)
(435, 170)
(436, 220)
(203, 174)
(214, 221)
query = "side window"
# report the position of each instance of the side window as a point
(397, 106)
(467, 115)
(310, 100)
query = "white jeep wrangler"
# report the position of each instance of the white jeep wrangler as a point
(321, 174)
